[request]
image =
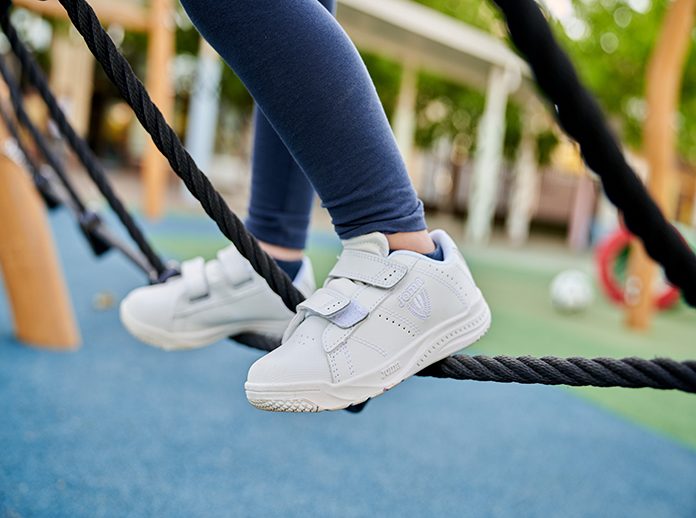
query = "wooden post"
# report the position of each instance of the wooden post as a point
(662, 85)
(34, 282)
(160, 50)
(72, 79)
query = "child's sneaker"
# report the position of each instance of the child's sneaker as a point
(380, 318)
(208, 302)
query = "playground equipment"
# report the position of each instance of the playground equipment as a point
(579, 115)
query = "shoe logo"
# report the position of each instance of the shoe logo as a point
(416, 299)
(390, 370)
(410, 292)
(420, 305)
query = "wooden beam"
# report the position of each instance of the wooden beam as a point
(130, 15)
(160, 51)
(36, 289)
(662, 88)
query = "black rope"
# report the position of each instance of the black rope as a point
(88, 220)
(580, 116)
(42, 183)
(84, 153)
(660, 373)
(97, 234)
(525, 27)
(166, 140)
(24, 120)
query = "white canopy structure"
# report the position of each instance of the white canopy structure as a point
(421, 38)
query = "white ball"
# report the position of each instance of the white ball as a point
(571, 291)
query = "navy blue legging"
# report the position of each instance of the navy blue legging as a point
(310, 83)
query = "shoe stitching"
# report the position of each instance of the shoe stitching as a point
(334, 366)
(371, 346)
(466, 273)
(417, 331)
(346, 353)
(445, 283)
(388, 265)
(385, 293)
(342, 338)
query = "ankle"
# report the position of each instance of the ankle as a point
(282, 253)
(418, 241)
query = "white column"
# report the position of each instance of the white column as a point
(489, 150)
(203, 110)
(404, 120)
(524, 191)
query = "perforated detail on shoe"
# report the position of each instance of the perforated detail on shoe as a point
(395, 322)
(397, 319)
(441, 275)
(334, 366)
(423, 360)
(303, 338)
(289, 405)
(346, 353)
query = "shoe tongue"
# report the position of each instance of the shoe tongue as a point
(374, 243)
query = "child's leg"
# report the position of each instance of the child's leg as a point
(310, 82)
(281, 197)
(386, 310)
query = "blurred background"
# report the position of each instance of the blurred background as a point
(119, 429)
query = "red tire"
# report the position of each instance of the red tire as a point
(606, 255)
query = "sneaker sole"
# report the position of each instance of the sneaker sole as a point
(185, 340)
(446, 339)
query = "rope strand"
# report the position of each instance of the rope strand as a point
(95, 170)
(132, 90)
(580, 116)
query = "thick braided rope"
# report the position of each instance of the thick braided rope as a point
(582, 119)
(134, 93)
(95, 170)
(659, 373)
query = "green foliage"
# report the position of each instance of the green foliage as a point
(611, 60)
(546, 143)
(449, 110)
(386, 74)
(233, 91)
(446, 109)
(479, 13)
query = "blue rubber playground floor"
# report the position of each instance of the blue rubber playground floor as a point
(119, 429)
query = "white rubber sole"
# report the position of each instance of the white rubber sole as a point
(184, 340)
(440, 342)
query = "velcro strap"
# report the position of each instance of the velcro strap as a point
(335, 307)
(369, 268)
(193, 274)
(235, 267)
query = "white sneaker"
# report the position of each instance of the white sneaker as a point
(208, 302)
(379, 319)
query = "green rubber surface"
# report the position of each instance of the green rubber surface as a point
(515, 282)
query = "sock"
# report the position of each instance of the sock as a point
(290, 267)
(436, 254)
